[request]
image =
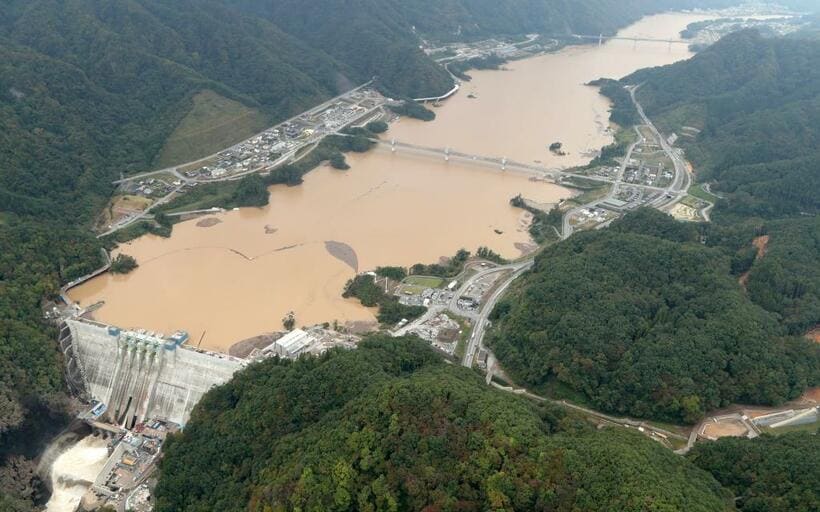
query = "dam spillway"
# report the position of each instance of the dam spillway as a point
(139, 375)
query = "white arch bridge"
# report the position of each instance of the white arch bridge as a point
(503, 163)
(601, 38)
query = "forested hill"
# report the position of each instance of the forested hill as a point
(771, 474)
(757, 103)
(642, 318)
(93, 88)
(90, 89)
(390, 427)
(356, 21)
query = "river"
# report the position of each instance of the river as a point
(240, 276)
(74, 471)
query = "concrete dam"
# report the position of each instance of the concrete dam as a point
(138, 376)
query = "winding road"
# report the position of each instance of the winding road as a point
(673, 193)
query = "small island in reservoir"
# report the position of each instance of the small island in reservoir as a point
(556, 148)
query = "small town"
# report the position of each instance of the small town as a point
(410, 255)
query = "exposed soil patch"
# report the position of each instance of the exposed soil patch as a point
(244, 348)
(208, 222)
(343, 252)
(811, 395)
(762, 245)
(360, 327)
(526, 248)
(724, 429)
(122, 206)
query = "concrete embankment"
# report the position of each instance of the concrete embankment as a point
(80, 280)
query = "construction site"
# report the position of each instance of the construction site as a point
(752, 422)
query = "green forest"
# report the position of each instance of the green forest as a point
(759, 147)
(92, 89)
(643, 320)
(390, 426)
(648, 318)
(767, 474)
(370, 294)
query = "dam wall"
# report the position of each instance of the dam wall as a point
(139, 375)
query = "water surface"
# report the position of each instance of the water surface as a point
(241, 276)
(74, 471)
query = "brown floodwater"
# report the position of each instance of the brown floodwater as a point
(227, 281)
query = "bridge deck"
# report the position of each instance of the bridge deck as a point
(602, 37)
(499, 162)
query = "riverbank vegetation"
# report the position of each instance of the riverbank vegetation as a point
(252, 189)
(123, 264)
(612, 153)
(410, 108)
(460, 67)
(545, 226)
(394, 273)
(448, 267)
(488, 254)
(376, 127)
(390, 426)
(370, 294)
(647, 318)
(391, 311)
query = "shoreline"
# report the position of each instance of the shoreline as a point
(522, 248)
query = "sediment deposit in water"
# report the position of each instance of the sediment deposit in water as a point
(233, 280)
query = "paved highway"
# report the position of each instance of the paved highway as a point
(175, 169)
(566, 229)
(672, 194)
(481, 320)
(676, 190)
(127, 221)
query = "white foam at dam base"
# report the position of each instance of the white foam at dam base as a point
(74, 471)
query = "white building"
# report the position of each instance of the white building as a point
(292, 344)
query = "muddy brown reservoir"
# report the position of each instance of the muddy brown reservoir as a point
(227, 281)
